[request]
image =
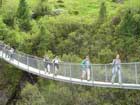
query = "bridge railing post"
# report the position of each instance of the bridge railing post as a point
(65, 69)
(106, 74)
(27, 62)
(18, 58)
(2, 52)
(92, 74)
(53, 70)
(136, 73)
(70, 72)
(37, 66)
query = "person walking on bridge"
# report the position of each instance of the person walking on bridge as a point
(86, 68)
(11, 51)
(1, 46)
(47, 64)
(56, 62)
(116, 69)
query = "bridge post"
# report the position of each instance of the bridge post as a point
(136, 73)
(65, 65)
(18, 58)
(106, 75)
(92, 75)
(37, 64)
(27, 62)
(2, 52)
(53, 70)
(70, 74)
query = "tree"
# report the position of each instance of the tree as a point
(130, 23)
(0, 3)
(42, 9)
(41, 43)
(23, 16)
(30, 95)
(102, 12)
(119, 1)
(9, 15)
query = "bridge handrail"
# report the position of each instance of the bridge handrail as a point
(99, 72)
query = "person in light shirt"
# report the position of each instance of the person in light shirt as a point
(116, 69)
(56, 62)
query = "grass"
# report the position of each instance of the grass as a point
(75, 7)
(85, 7)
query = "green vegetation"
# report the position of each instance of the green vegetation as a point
(70, 29)
(31, 96)
(23, 16)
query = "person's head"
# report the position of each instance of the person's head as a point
(45, 56)
(56, 57)
(87, 57)
(117, 56)
(13, 47)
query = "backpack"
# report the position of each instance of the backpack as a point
(83, 64)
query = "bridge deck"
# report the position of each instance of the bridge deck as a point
(42, 73)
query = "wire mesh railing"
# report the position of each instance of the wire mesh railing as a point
(130, 72)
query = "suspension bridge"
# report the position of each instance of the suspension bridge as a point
(101, 74)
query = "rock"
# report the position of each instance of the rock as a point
(3, 98)
(57, 11)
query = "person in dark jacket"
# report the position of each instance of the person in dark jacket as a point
(47, 64)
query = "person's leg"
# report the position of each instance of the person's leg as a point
(11, 56)
(56, 69)
(88, 74)
(45, 68)
(6, 53)
(83, 74)
(113, 70)
(119, 76)
(113, 74)
(57, 66)
(0, 48)
(48, 68)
